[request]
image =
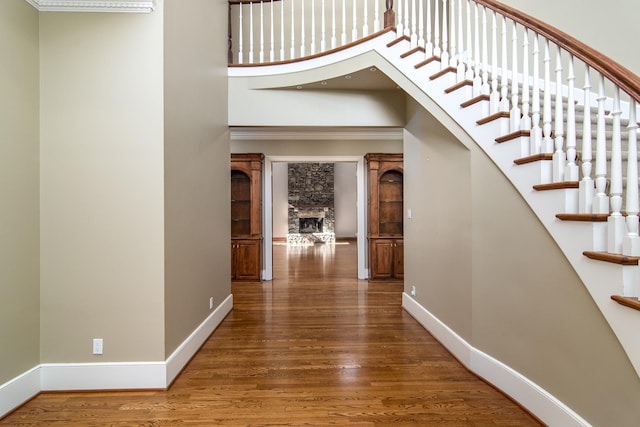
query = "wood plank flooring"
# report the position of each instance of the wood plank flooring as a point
(313, 347)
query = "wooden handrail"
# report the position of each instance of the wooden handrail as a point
(619, 75)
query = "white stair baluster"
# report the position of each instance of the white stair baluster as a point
(365, 26)
(601, 200)
(559, 156)
(486, 89)
(421, 41)
(470, 54)
(428, 47)
(504, 81)
(293, 31)
(547, 141)
(536, 130)
(251, 53)
(272, 51)
(571, 172)
(354, 30)
(407, 17)
(376, 19)
(460, 72)
(303, 30)
(261, 32)
(525, 124)
(477, 66)
(494, 98)
(323, 39)
(312, 49)
(343, 38)
(240, 38)
(453, 54)
(437, 50)
(414, 31)
(514, 114)
(444, 58)
(334, 40)
(399, 18)
(631, 243)
(586, 191)
(616, 222)
(282, 54)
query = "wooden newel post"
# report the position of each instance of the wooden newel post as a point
(389, 15)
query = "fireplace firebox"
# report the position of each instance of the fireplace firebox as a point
(311, 225)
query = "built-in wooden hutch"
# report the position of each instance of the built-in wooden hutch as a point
(246, 216)
(385, 216)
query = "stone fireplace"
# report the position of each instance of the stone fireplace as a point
(311, 203)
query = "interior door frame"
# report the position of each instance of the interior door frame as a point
(361, 203)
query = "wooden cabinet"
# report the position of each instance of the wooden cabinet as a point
(246, 216)
(385, 216)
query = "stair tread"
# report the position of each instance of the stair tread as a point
(630, 302)
(613, 258)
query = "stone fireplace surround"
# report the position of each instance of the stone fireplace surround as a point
(310, 194)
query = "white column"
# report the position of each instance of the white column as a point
(428, 47)
(334, 40)
(323, 38)
(601, 200)
(344, 23)
(399, 17)
(303, 29)
(471, 54)
(421, 41)
(354, 29)
(477, 66)
(261, 32)
(312, 49)
(486, 88)
(437, 50)
(293, 31)
(631, 243)
(616, 222)
(559, 156)
(282, 54)
(272, 51)
(453, 55)
(365, 25)
(376, 19)
(251, 53)
(586, 191)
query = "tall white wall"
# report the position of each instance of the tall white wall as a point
(346, 200)
(102, 190)
(19, 190)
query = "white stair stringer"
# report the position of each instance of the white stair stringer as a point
(601, 279)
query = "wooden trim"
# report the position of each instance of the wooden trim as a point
(412, 51)
(317, 55)
(398, 40)
(426, 62)
(557, 185)
(533, 158)
(586, 217)
(627, 301)
(458, 85)
(475, 100)
(495, 116)
(513, 135)
(442, 73)
(613, 258)
(622, 77)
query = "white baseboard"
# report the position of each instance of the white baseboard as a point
(15, 392)
(103, 376)
(181, 356)
(109, 376)
(534, 398)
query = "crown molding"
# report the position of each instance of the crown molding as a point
(316, 134)
(93, 5)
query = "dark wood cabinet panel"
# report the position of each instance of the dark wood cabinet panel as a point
(245, 259)
(385, 216)
(246, 216)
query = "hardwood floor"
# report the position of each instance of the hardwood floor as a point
(315, 347)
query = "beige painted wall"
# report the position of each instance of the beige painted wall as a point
(610, 27)
(198, 263)
(19, 190)
(102, 194)
(482, 262)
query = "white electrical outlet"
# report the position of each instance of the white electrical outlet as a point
(97, 346)
(413, 291)
(409, 214)
(211, 303)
